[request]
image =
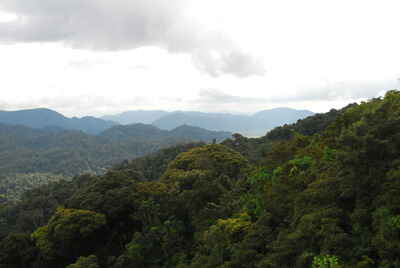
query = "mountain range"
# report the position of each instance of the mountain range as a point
(249, 125)
(52, 120)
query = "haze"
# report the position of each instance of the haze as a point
(97, 57)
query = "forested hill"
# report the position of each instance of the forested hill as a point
(150, 132)
(314, 199)
(27, 150)
(46, 118)
(33, 157)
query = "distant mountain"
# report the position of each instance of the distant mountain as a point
(211, 121)
(277, 115)
(139, 116)
(49, 119)
(249, 125)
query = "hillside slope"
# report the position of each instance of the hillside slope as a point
(28, 150)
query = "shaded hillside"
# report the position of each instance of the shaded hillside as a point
(27, 150)
(134, 131)
(45, 118)
(150, 132)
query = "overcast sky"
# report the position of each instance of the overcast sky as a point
(96, 57)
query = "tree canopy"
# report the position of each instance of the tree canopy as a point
(326, 197)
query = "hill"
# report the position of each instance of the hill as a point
(149, 132)
(46, 118)
(68, 152)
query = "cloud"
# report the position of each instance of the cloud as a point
(348, 90)
(218, 97)
(123, 25)
(342, 91)
(85, 64)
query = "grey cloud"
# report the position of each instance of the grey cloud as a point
(215, 96)
(120, 25)
(242, 64)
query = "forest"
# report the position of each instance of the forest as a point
(320, 193)
(33, 157)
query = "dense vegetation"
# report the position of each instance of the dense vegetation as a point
(14, 185)
(33, 157)
(326, 195)
(28, 150)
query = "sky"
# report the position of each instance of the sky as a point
(97, 57)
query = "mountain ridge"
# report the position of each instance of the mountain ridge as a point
(46, 118)
(249, 125)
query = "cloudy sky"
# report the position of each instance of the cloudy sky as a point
(95, 57)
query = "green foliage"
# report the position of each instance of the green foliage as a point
(70, 233)
(325, 198)
(37, 205)
(152, 167)
(329, 154)
(70, 153)
(17, 250)
(252, 200)
(85, 262)
(395, 221)
(203, 178)
(13, 186)
(307, 126)
(325, 261)
(213, 159)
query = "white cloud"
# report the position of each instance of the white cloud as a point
(318, 54)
